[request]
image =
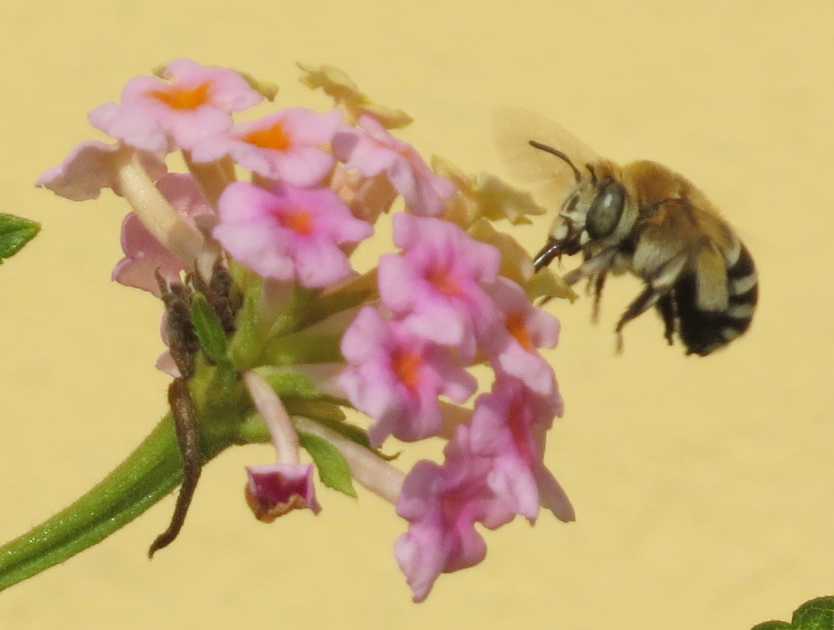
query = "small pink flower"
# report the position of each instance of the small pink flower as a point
(372, 150)
(159, 116)
(442, 505)
(274, 490)
(89, 168)
(144, 254)
(287, 146)
(512, 347)
(436, 284)
(289, 233)
(396, 378)
(509, 428)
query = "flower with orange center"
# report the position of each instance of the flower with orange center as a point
(160, 116)
(512, 347)
(396, 378)
(438, 284)
(287, 233)
(509, 427)
(290, 146)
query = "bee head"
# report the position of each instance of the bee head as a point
(591, 212)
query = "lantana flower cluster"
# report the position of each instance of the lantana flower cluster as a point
(263, 225)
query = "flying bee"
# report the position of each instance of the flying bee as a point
(641, 218)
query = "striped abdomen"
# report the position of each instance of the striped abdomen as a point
(703, 332)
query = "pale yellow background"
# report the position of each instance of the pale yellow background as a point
(702, 487)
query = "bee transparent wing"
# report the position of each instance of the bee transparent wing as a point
(548, 177)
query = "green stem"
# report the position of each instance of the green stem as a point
(148, 474)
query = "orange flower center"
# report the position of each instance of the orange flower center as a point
(407, 367)
(300, 222)
(515, 324)
(183, 98)
(443, 283)
(274, 137)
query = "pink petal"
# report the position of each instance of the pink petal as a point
(133, 126)
(144, 255)
(88, 169)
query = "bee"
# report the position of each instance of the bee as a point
(642, 218)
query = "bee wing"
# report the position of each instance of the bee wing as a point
(549, 177)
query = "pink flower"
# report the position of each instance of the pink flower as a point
(286, 146)
(512, 347)
(442, 505)
(436, 284)
(396, 378)
(274, 490)
(144, 254)
(289, 233)
(372, 150)
(158, 116)
(509, 428)
(90, 167)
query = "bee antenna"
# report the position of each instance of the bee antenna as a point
(593, 175)
(558, 154)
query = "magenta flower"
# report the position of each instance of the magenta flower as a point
(274, 490)
(437, 283)
(287, 146)
(289, 233)
(159, 116)
(372, 150)
(512, 347)
(509, 428)
(90, 167)
(442, 504)
(144, 254)
(395, 378)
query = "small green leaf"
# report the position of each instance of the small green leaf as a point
(817, 614)
(333, 468)
(315, 409)
(289, 384)
(15, 232)
(303, 347)
(247, 343)
(209, 329)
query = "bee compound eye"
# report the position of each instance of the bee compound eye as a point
(606, 210)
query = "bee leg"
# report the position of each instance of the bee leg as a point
(600, 262)
(660, 284)
(598, 286)
(666, 308)
(188, 438)
(647, 298)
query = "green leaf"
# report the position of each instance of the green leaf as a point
(316, 409)
(209, 329)
(15, 232)
(247, 343)
(333, 468)
(289, 384)
(303, 347)
(816, 614)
